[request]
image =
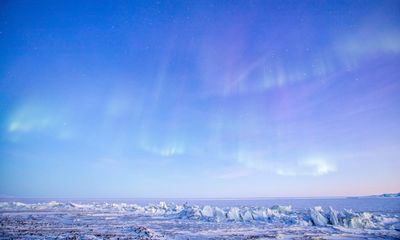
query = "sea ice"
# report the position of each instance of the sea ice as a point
(174, 221)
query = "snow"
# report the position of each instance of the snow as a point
(174, 221)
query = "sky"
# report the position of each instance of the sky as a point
(199, 99)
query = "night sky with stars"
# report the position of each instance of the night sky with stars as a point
(199, 98)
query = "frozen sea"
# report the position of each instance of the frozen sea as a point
(272, 218)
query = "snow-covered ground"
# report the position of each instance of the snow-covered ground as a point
(183, 221)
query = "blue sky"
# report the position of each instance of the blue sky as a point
(199, 98)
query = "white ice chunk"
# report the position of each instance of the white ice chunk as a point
(190, 212)
(220, 214)
(207, 212)
(317, 218)
(163, 205)
(282, 209)
(260, 214)
(333, 218)
(362, 220)
(247, 216)
(234, 214)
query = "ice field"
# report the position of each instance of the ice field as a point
(118, 220)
